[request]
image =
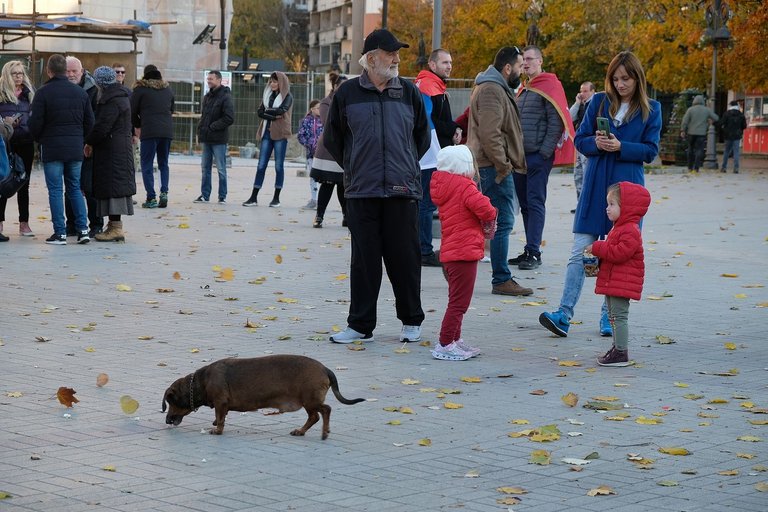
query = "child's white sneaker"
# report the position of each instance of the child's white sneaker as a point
(466, 347)
(450, 352)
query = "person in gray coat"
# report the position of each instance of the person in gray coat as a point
(695, 124)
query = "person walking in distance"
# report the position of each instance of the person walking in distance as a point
(61, 118)
(496, 139)
(586, 91)
(275, 128)
(152, 106)
(732, 124)
(634, 123)
(548, 140)
(377, 131)
(444, 131)
(464, 211)
(216, 116)
(695, 125)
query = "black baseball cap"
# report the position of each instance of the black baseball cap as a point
(382, 39)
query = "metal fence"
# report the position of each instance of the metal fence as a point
(247, 92)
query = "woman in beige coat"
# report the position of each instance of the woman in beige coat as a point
(274, 130)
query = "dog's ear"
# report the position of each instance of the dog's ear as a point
(165, 395)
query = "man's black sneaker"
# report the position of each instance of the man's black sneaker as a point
(55, 239)
(430, 260)
(83, 238)
(530, 262)
(518, 259)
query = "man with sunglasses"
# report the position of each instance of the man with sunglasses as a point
(119, 70)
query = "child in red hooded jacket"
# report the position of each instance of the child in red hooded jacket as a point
(622, 268)
(463, 210)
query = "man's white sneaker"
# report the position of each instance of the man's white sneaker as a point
(466, 347)
(349, 335)
(450, 352)
(410, 333)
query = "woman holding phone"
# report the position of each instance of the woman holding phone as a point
(615, 153)
(16, 94)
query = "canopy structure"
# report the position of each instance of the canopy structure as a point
(15, 27)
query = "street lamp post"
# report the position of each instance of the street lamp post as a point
(717, 15)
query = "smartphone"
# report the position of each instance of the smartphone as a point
(16, 116)
(603, 125)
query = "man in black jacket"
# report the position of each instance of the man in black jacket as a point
(216, 115)
(60, 120)
(152, 105)
(377, 131)
(733, 123)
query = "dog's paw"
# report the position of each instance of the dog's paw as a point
(216, 431)
(297, 432)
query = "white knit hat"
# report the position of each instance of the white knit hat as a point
(456, 160)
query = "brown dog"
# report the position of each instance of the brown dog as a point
(282, 382)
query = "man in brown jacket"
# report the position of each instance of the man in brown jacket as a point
(496, 139)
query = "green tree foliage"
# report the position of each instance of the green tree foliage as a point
(580, 37)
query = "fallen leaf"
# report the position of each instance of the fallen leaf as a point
(729, 275)
(603, 490)
(749, 439)
(341, 277)
(606, 398)
(286, 300)
(571, 399)
(102, 379)
(511, 490)
(355, 348)
(67, 396)
(405, 410)
(226, 274)
(592, 456)
(111, 469)
(674, 450)
(540, 457)
(164, 290)
(176, 276)
(14, 394)
(746, 455)
(538, 392)
(451, 405)
(718, 401)
(195, 350)
(762, 486)
(747, 405)
(128, 404)
(471, 380)
(729, 472)
(603, 406)
(664, 340)
(278, 259)
(519, 422)
(730, 346)
(472, 474)
(123, 288)
(42, 339)
(394, 422)
(4, 495)
(693, 396)
(681, 385)
(425, 442)
(667, 483)
(410, 382)
(508, 500)
(568, 363)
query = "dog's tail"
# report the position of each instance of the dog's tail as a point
(337, 393)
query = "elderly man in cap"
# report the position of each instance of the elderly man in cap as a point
(377, 131)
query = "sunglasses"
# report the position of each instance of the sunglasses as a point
(119, 72)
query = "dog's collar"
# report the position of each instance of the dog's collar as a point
(192, 393)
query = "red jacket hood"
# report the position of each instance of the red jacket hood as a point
(429, 83)
(635, 200)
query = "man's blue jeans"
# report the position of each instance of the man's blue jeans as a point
(219, 153)
(161, 147)
(731, 148)
(426, 210)
(532, 194)
(267, 145)
(502, 196)
(59, 174)
(574, 274)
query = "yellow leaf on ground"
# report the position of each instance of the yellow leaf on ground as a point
(571, 399)
(286, 300)
(749, 439)
(729, 275)
(540, 457)
(510, 500)
(278, 259)
(730, 346)
(410, 382)
(746, 455)
(471, 380)
(195, 350)
(681, 385)
(341, 277)
(183, 225)
(674, 450)
(740, 296)
(406, 410)
(569, 363)
(90, 349)
(606, 398)
(642, 420)
(102, 379)
(394, 422)
(603, 490)
(128, 404)
(718, 401)
(762, 486)
(176, 276)
(664, 340)
(123, 288)
(512, 490)
(111, 469)
(425, 442)
(730, 472)
(519, 422)
(451, 405)
(355, 348)
(14, 394)
(538, 392)
(747, 405)
(758, 422)
(667, 483)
